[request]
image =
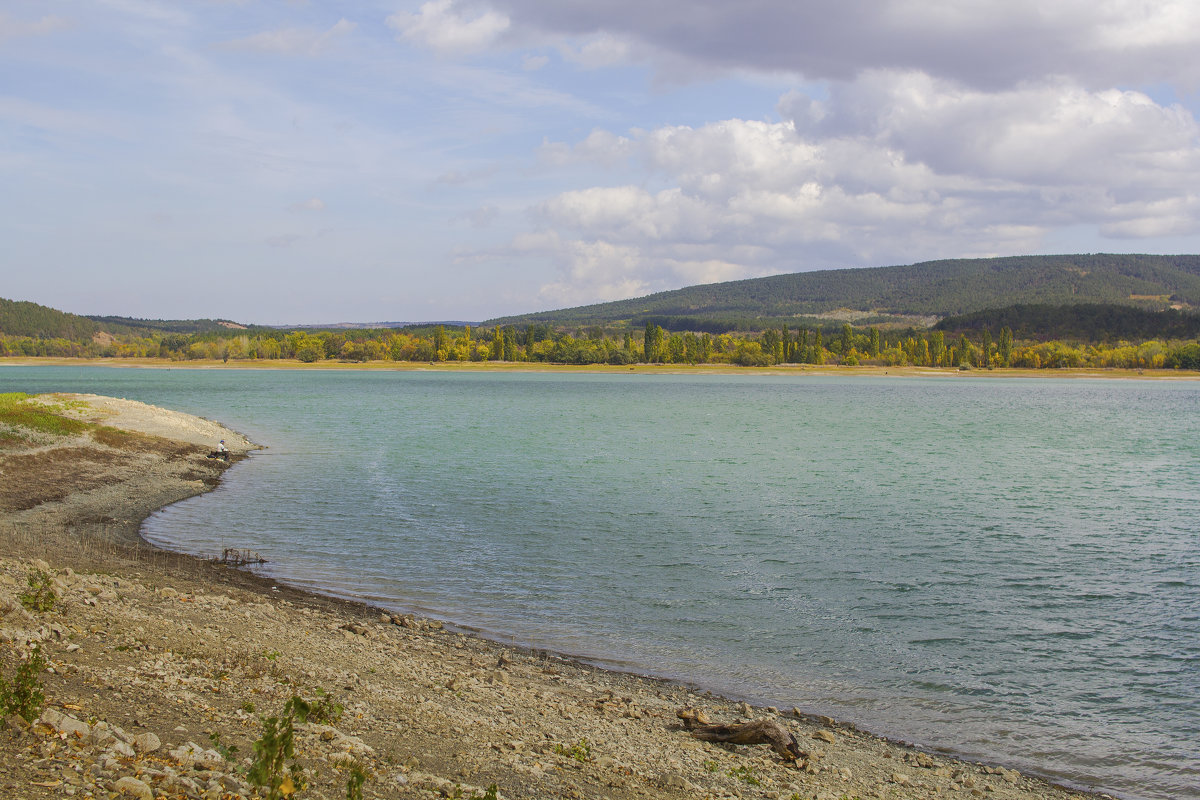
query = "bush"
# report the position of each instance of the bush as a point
(24, 696)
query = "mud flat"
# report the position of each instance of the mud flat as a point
(162, 668)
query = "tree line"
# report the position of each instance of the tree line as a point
(653, 344)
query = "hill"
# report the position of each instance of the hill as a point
(23, 318)
(901, 294)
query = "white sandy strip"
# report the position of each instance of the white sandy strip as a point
(131, 415)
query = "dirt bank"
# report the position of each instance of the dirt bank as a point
(161, 669)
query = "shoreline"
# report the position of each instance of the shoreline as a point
(636, 746)
(486, 367)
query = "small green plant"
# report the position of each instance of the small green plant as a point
(271, 655)
(228, 752)
(325, 709)
(275, 748)
(492, 792)
(24, 696)
(358, 776)
(745, 774)
(581, 751)
(40, 597)
(248, 707)
(711, 766)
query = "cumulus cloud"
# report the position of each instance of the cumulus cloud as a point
(294, 41)
(444, 26)
(892, 166)
(989, 43)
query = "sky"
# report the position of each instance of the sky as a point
(281, 161)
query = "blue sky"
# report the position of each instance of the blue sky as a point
(285, 162)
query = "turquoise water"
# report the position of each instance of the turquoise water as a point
(1004, 569)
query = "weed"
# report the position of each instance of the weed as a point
(248, 707)
(358, 776)
(581, 751)
(711, 766)
(271, 655)
(325, 709)
(228, 752)
(275, 748)
(24, 696)
(492, 792)
(745, 774)
(40, 596)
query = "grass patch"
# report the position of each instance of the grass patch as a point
(17, 411)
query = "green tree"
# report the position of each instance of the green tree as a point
(497, 344)
(1004, 347)
(847, 340)
(963, 351)
(874, 346)
(937, 348)
(985, 358)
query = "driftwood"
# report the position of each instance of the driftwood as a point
(760, 731)
(240, 558)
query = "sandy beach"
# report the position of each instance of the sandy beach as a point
(162, 668)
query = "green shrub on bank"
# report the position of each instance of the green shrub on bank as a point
(24, 696)
(40, 597)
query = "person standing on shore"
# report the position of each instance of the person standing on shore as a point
(222, 451)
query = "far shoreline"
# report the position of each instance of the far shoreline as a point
(485, 367)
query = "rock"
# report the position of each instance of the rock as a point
(745, 710)
(901, 778)
(796, 712)
(146, 742)
(134, 788)
(64, 723)
(825, 736)
(121, 749)
(679, 782)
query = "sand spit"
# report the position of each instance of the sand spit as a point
(162, 668)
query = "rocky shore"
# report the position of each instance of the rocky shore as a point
(172, 677)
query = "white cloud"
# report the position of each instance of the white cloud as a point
(895, 167)
(311, 204)
(294, 41)
(440, 25)
(13, 28)
(532, 63)
(600, 50)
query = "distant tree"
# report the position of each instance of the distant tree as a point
(846, 340)
(985, 358)
(874, 348)
(497, 348)
(1005, 345)
(937, 348)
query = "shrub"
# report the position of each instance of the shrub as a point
(24, 696)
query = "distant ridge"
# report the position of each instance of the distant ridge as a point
(372, 325)
(900, 294)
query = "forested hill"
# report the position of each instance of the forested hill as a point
(23, 318)
(932, 288)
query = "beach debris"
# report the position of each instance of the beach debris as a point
(825, 736)
(759, 731)
(239, 558)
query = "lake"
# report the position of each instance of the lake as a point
(1004, 569)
